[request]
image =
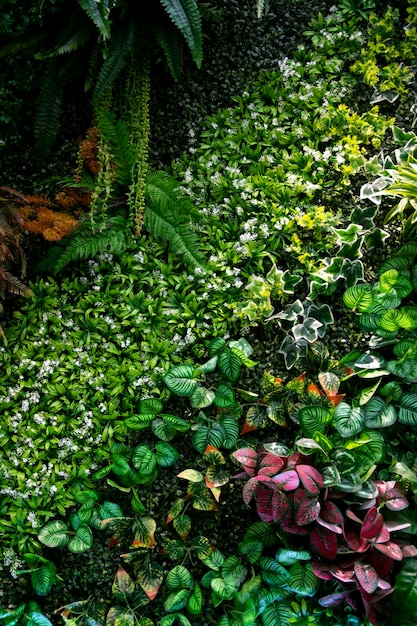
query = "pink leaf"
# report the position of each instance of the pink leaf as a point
(279, 505)
(288, 480)
(321, 570)
(333, 527)
(307, 509)
(249, 489)
(384, 584)
(331, 513)
(408, 551)
(381, 485)
(289, 526)
(344, 575)
(395, 500)
(311, 478)
(354, 540)
(264, 503)
(248, 457)
(271, 464)
(391, 549)
(367, 577)
(295, 459)
(372, 524)
(324, 542)
(383, 536)
(351, 515)
(395, 526)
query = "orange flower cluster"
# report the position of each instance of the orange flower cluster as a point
(53, 225)
(89, 151)
(38, 214)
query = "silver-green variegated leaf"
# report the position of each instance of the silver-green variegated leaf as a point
(166, 454)
(178, 578)
(303, 580)
(348, 420)
(54, 534)
(378, 414)
(82, 541)
(202, 397)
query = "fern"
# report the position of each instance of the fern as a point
(117, 135)
(121, 45)
(98, 11)
(75, 39)
(84, 244)
(48, 111)
(186, 17)
(262, 7)
(168, 38)
(163, 219)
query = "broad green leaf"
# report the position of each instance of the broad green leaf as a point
(150, 405)
(192, 475)
(303, 580)
(273, 573)
(408, 409)
(43, 578)
(82, 541)
(404, 598)
(230, 365)
(404, 368)
(179, 578)
(195, 601)
(215, 560)
(394, 319)
(180, 380)
(393, 279)
(144, 460)
(243, 345)
(139, 422)
(348, 420)
(277, 614)
(261, 531)
(252, 550)
(314, 419)
(150, 575)
(359, 297)
(54, 534)
(37, 619)
(176, 600)
(202, 397)
(109, 509)
(166, 454)
(224, 396)
(378, 414)
(216, 346)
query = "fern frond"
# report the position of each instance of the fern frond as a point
(262, 7)
(75, 40)
(173, 199)
(48, 111)
(186, 17)
(24, 42)
(98, 11)
(117, 135)
(83, 244)
(121, 45)
(168, 38)
(162, 220)
(13, 284)
(12, 192)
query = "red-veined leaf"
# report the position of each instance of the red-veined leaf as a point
(279, 505)
(248, 457)
(311, 478)
(271, 464)
(391, 549)
(263, 498)
(289, 526)
(323, 542)
(372, 524)
(353, 538)
(367, 577)
(288, 480)
(322, 570)
(331, 513)
(344, 575)
(307, 509)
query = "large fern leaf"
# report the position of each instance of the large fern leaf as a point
(121, 45)
(98, 11)
(168, 38)
(48, 111)
(123, 152)
(186, 17)
(84, 243)
(163, 219)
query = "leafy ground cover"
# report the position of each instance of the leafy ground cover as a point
(290, 185)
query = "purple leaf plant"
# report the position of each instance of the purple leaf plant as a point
(351, 542)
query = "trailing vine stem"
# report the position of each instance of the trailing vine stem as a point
(137, 94)
(102, 192)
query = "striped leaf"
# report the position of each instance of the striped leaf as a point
(180, 380)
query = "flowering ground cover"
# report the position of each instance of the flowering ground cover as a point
(138, 384)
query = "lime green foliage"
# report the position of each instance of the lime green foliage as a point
(274, 168)
(396, 177)
(390, 53)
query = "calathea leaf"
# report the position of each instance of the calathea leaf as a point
(348, 420)
(180, 380)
